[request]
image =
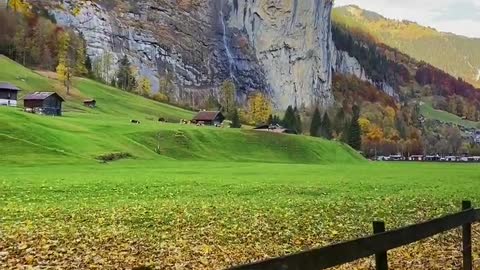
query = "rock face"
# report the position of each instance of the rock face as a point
(280, 47)
(292, 42)
(345, 64)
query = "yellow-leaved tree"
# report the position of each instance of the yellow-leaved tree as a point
(64, 71)
(228, 96)
(20, 6)
(259, 109)
(144, 87)
(80, 58)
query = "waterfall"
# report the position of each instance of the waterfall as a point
(231, 61)
(478, 75)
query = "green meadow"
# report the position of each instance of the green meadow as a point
(197, 197)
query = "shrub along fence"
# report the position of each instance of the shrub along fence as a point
(377, 244)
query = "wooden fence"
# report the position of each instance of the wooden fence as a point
(377, 244)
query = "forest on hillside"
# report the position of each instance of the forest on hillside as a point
(460, 56)
(390, 125)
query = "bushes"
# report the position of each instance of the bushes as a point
(113, 156)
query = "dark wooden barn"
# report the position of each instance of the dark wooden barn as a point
(91, 103)
(48, 103)
(209, 118)
(8, 94)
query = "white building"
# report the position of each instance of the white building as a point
(8, 94)
(476, 137)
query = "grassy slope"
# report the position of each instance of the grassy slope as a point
(83, 133)
(459, 55)
(429, 112)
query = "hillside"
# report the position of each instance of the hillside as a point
(460, 56)
(83, 134)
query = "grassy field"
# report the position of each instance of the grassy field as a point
(196, 197)
(210, 215)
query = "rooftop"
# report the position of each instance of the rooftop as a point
(8, 86)
(206, 116)
(41, 96)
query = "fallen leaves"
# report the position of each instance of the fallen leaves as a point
(123, 220)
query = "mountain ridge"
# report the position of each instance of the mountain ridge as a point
(460, 58)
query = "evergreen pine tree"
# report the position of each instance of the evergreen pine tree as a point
(326, 127)
(270, 120)
(298, 121)
(316, 123)
(354, 132)
(345, 132)
(276, 120)
(339, 122)
(88, 65)
(235, 119)
(289, 118)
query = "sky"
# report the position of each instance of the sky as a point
(461, 17)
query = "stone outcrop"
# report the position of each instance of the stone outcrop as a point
(345, 64)
(280, 47)
(292, 42)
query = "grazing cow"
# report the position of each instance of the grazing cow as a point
(135, 122)
(161, 119)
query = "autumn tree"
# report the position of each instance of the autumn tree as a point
(125, 78)
(375, 135)
(453, 136)
(21, 46)
(259, 108)
(228, 95)
(64, 70)
(102, 67)
(144, 87)
(81, 57)
(160, 97)
(20, 6)
(167, 86)
(316, 123)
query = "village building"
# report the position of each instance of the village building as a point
(47, 103)
(91, 103)
(416, 158)
(275, 129)
(8, 94)
(3, 4)
(476, 137)
(215, 118)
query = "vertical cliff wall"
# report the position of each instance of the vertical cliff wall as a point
(280, 47)
(292, 42)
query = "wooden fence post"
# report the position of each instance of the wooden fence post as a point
(467, 240)
(381, 259)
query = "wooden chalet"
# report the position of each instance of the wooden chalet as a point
(275, 129)
(8, 94)
(215, 118)
(47, 103)
(91, 103)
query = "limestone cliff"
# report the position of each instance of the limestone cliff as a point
(345, 64)
(292, 42)
(281, 47)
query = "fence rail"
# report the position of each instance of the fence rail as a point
(377, 244)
